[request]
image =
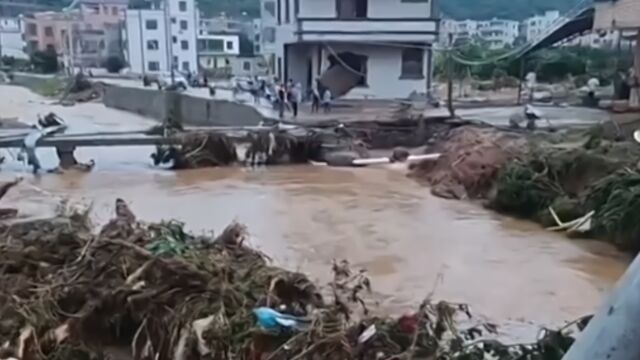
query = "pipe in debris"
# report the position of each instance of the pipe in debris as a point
(614, 331)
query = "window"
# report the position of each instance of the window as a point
(280, 12)
(182, 6)
(101, 44)
(114, 11)
(229, 45)
(269, 35)
(270, 7)
(173, 20)
(185, 66)
(210, 45)
(153, 66)
(174, 39)
(50, 48)
(412, 63)
(184, 45)
(48, 31)
(151, 25)
(33, 45)
(414, 1)
(153, 45)
(32, 29)
(246, 65)
(183, 24)
(174, 61)
(287, 15)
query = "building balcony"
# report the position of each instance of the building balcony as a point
(367, 29)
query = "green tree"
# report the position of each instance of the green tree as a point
(45, 61)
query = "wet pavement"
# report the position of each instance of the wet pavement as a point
(510, 271)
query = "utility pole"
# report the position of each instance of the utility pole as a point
(450, 77)
(169, 40)
(523, 62)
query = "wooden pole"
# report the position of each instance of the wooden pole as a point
(450, 77)
(614, 331)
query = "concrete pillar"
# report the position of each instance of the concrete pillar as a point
(614, 331)
(634, 99)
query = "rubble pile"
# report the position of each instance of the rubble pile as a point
(80, 89)
(154, 291)
(470, 162)
(197, 149)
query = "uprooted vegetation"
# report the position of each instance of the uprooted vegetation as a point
(210, 149)
(155, 291)
(578, 175)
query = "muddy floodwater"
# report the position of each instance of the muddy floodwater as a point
(412, 243)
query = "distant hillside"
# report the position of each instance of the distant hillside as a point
(509, 9)
(457, 9)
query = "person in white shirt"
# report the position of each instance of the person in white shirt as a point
(326, 101)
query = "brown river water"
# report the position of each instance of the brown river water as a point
(510, 271)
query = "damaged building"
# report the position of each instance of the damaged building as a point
(356, 48)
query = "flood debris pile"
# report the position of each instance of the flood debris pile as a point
(155, 291)
(470, 162)
(197, 149)
(269, 147)
(80, 88)
(615, 201)
(555, 185)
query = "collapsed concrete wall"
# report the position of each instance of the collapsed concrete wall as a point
(191, 110)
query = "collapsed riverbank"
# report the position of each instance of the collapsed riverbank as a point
(552, 178)
(154, 291)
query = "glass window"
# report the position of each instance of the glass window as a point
(412, 63)
(182, 6)
(153, 45)
(185, 66)
(183, 24)
(229, 45)
(184, 45)
(151, 24)
(48, 31)
(153, 66)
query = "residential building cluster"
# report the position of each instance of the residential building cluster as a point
(358, 48)
(501, 33)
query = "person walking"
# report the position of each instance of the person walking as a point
(282, 98)
(315, 99)
(326, 101)
(295, 97)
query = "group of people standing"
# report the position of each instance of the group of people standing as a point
(289, 96)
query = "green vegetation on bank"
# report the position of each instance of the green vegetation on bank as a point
(600, 176)
(550, 65)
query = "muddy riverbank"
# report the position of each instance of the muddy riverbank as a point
(510, 271)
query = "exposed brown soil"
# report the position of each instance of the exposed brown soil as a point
(471, 159)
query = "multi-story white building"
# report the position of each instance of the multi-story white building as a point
(217, 52)
(11, 40)
(498, 33)
(538, 26)
(358, 48)
(162, 38)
